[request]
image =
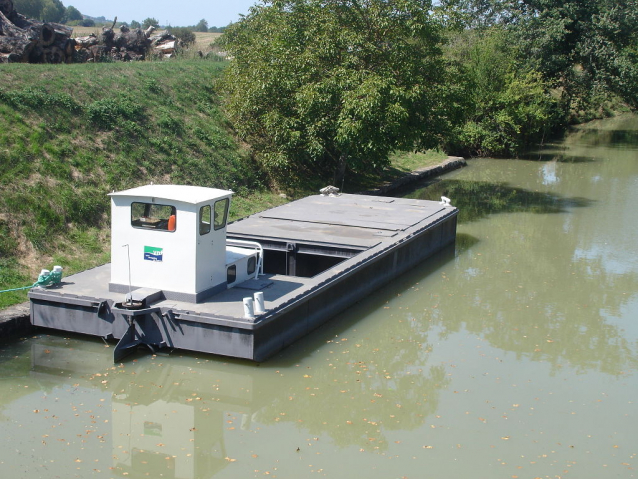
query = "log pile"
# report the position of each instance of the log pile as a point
(29, 41)
(125, 45)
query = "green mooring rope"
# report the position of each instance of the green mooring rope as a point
(45, 279)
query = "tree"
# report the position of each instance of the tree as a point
(579, 46)
(202, 26)
(149, 22)
(29, 8)
(508, 108)
(53, 11)
(135, 24)
(73, 14)
(185, 34)
(334, 85)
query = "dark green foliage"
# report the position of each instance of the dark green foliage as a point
(319, 86)
(29, 8)
(53, 11)
(507, 107)
(202, 26)
(587, 50)
(578, 44)
(185, 34)
(149, 22)
(38, 98)
(73, 14)
(108, 112)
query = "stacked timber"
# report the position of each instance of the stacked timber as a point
(30, 41)
(125, 45)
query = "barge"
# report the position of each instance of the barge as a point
(181, 277)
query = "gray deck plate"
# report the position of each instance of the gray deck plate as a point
(93, 283)
(345, 220)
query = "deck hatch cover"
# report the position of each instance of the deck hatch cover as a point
(358, 212)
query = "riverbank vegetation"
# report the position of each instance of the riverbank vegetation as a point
(316, 92)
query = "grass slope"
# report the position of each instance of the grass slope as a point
(73, 133)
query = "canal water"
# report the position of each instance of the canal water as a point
(513, 355)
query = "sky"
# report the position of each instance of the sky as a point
(218, 13)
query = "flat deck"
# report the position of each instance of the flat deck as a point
(347, 220)
(383, 238)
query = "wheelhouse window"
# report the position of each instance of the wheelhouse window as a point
(204, 220)
(153, 216)
(231, 274)
(221, 213)
(251, 266)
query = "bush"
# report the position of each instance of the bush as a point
(107, 112)
(508, 108)
(184, 34)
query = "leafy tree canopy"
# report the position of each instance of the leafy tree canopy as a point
(29, 8)
(202, 26)
(330, 85)
(149, 22)
(73, 14)
(577, 45)
(53, 11)
(185, 34)
(135, 24)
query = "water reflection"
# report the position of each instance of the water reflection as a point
(478, 199)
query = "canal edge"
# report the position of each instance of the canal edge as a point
(449, 164)
(15, 320)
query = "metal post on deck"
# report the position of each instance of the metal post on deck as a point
(291, 259)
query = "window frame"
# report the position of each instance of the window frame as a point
(147, 213)
(222, 224)
(208, 227)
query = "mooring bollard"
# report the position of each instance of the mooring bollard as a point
(249, 309)
(259, 303)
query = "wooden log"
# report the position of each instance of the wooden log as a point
(133, 40)
(69, 47)
(167, 47)
(47, 34)
(8, 29)
(20, 47)
(10, 58)
(88, 41)
(53, 55)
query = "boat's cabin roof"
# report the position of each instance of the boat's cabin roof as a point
(186, 194)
